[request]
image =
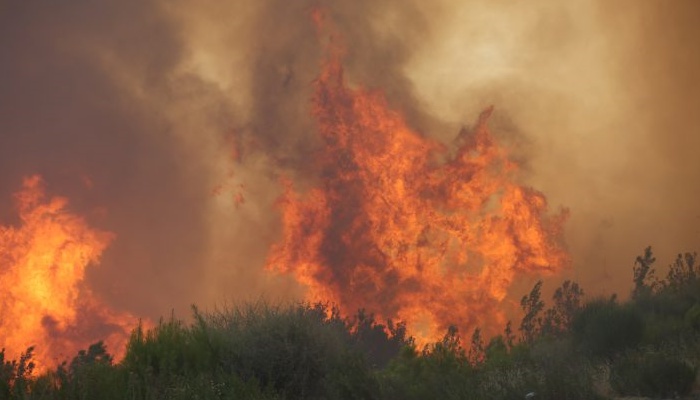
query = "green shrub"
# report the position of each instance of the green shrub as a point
(298, 351)
(603, 328)
(441, 371)
(692, 318)
(661, 329)
(654, 375)
(89, 375)
(252, 351)
(562, 372)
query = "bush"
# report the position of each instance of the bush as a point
(297, 351)
(441, 371)
(603, 328)
(89, 375)
(692, 318)
(563, 374)
(654, 375)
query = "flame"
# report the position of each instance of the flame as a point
(407, 227)
(45, 302)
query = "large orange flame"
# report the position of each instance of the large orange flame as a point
(407, 227)
(44, 302)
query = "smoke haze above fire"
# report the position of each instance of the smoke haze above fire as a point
(153, 118)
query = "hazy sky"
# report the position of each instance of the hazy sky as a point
(133, 109)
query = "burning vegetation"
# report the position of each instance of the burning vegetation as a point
(408, 227)
(45, 301)
(404, 244)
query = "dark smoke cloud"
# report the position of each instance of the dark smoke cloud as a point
(67, 114)
(286, 54)
(142, 98)
(650, 194)
(601, 99)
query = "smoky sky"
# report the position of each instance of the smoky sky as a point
(133, 109)
(68, 116)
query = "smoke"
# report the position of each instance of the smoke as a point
(93, 99)
(133, 110)
(601, 98)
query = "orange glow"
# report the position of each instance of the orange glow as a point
(407, 227)
(45, 302)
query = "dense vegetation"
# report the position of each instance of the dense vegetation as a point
(648, 345)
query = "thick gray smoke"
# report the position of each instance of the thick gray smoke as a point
(133, 110)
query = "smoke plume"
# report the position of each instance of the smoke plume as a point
(169, 123)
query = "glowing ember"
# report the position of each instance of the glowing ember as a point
(405, 226)
(44, 301)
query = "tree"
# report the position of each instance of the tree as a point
(508, 336)
(567, 302)
(532, 305)
(643, 270)
(15, 375)
(476, 349)
(683, 273)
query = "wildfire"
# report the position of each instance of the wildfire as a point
(45, 302)
(407, 227)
